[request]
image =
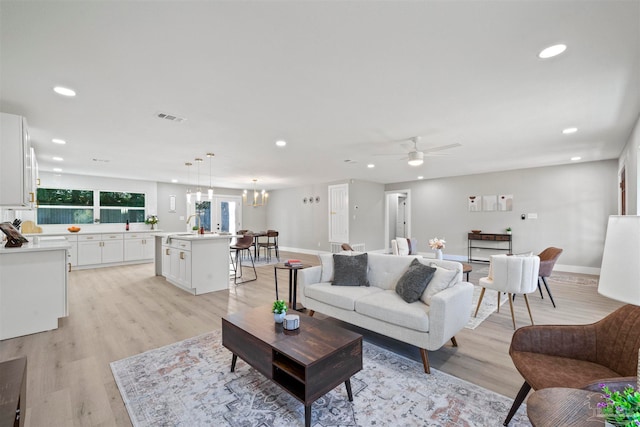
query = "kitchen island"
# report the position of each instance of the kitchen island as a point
(33, 286)
(196, 263)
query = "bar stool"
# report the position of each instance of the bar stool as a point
(243, 243)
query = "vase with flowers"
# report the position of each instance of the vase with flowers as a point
(437, 245)
(620, 409)
(152, 220)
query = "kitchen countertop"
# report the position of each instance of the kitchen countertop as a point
(195, 237)
(68, 233)
(38, 244)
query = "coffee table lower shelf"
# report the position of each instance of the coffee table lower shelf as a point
(307, 363)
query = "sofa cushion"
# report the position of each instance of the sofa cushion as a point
(413, 246)
(350, 270)
(341, 297)
(326, 262)
(441, 280)
(403, 246)
(390, 307)
(386, 270)
(414, 281)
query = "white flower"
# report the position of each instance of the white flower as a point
(436, 243)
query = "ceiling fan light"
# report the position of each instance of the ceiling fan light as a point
(416, 158)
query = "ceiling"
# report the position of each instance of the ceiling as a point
(341, 82)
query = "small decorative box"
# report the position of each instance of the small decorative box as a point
(291, 321)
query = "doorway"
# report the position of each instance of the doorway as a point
(397, 215)
(221, 214)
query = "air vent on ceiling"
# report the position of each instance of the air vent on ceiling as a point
(170, 117)
(101, 160)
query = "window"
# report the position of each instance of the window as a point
(66, 206)
(62, 206)
(118, 207)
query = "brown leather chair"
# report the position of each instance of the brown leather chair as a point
(575, 356)
(243, 243)
(548, 259)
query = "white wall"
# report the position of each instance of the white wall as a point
(366, 214)
(572, 202)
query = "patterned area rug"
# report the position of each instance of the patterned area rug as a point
(188, 383)
(488, 306)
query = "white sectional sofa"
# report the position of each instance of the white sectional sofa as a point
(427, 323)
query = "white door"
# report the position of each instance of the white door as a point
(339, 213)
(401, 218)
(222, 214)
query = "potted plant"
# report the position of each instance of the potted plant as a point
(620, 409)
(279, 310)
(151, 219)
(508, 230)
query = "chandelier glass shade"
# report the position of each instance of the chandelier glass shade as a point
(210, 190)
(188, 165)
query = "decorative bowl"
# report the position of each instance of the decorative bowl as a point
(476, 231)
(74, 229)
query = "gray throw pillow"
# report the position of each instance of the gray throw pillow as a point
(350, 270)
(414, 281)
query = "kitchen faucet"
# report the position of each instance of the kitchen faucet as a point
(197, 220)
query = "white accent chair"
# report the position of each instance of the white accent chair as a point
(513, 275)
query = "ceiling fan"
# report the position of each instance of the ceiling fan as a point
(415, 157)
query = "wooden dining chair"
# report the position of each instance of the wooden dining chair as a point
(270, 244)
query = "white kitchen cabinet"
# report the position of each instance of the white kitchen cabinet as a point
(33, 288)
(73, 250)
(100, 249)
(18, 166)
(138, 246)
(197, 264)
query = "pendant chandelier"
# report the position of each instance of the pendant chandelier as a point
(259, 197)
(210, 190)
(188, 165)
(198, 160)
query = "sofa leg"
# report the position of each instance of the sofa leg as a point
(454, 342)
(524, 390)
(425, 360)
(311, 313)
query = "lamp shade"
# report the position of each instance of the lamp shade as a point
(620, 270)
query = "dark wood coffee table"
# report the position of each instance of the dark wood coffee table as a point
(307, 363)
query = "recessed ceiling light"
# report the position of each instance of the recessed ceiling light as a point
(569, 130)
(64, 91)
(552, 51)
(58, 159)
(421, 177)
(174, 180)
(57, 170)
(576, 158)
(371, 166)
(281, 143)
(58, 141)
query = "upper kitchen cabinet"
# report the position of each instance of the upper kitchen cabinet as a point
(18, 166)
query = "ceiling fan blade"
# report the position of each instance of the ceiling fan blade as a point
(441, 147)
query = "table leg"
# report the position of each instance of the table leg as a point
(275, 273)
(347, 384)
(307, 415)
(295, 288)
(290, 285)
(234, 359)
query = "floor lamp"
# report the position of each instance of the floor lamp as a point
(620, 270)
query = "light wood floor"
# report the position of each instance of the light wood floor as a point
(121, 311)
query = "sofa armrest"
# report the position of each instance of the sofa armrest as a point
(572, 341)
(307, 276)
(449, 312)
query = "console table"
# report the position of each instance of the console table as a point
(501, 242)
